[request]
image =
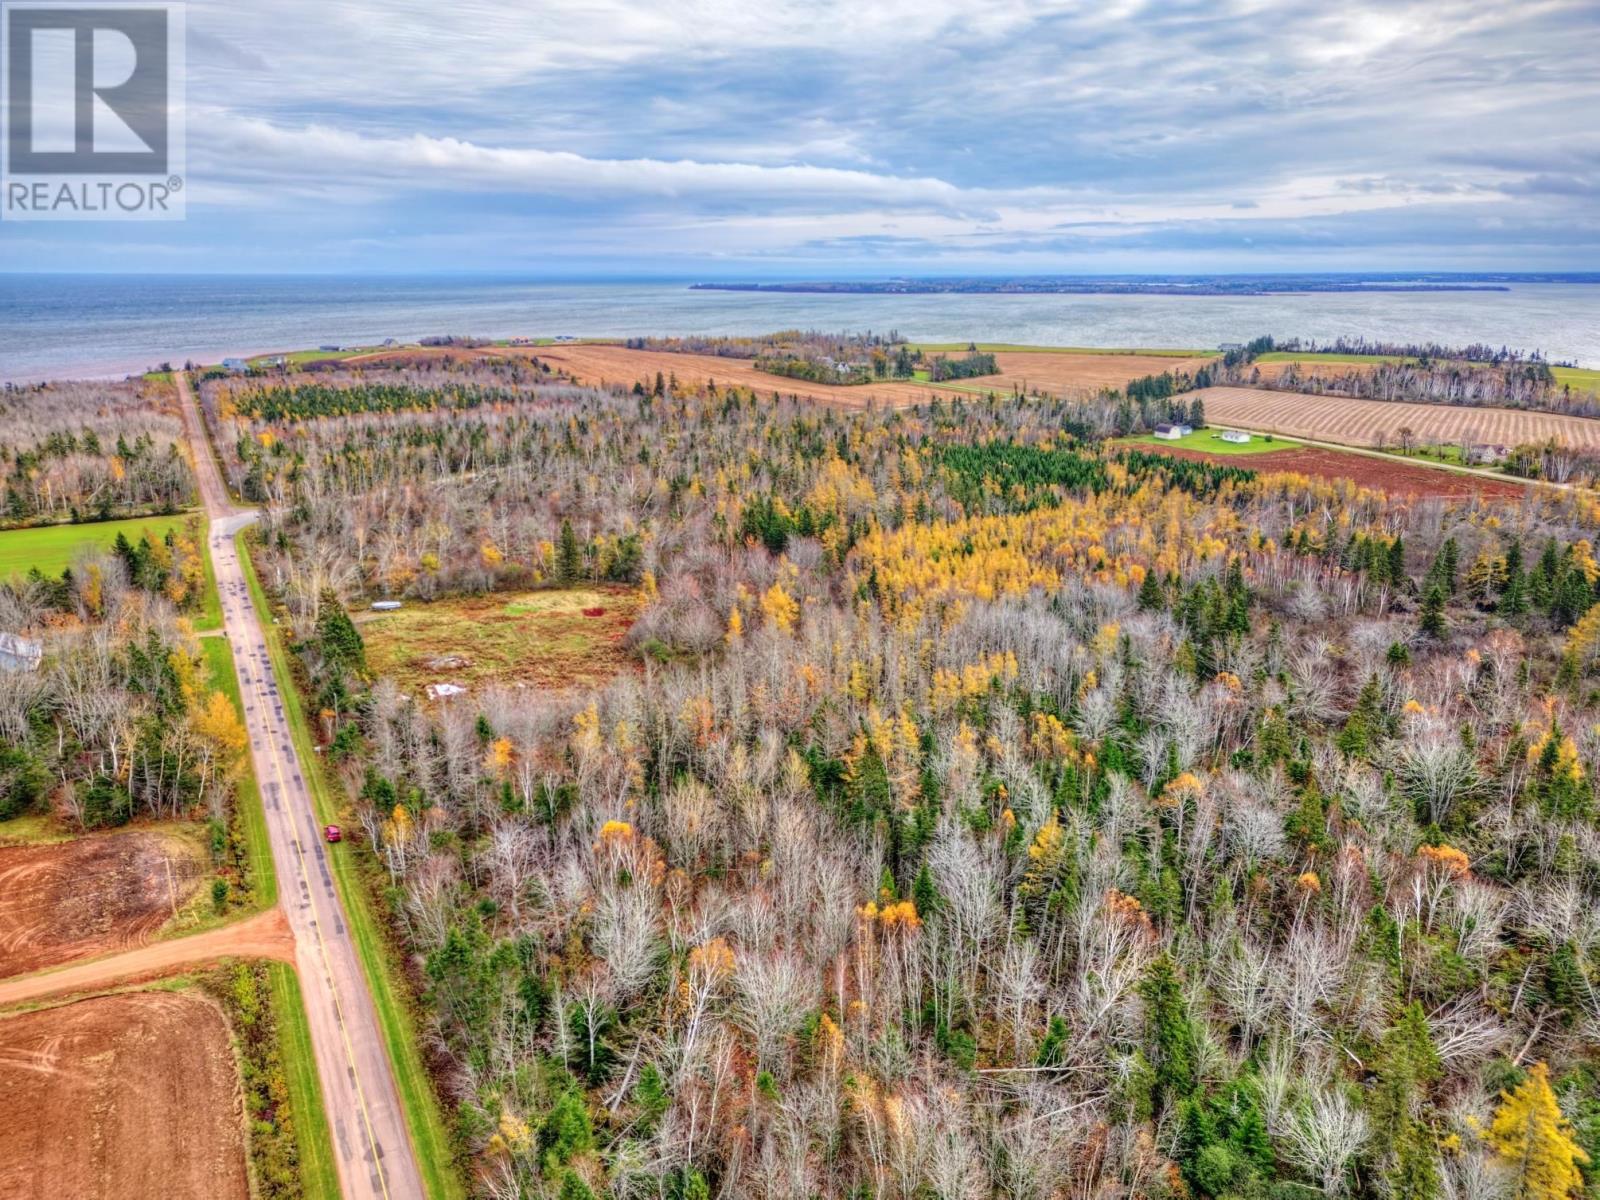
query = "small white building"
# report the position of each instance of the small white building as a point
(444, 691)
(19, 653)
(1237, 436)
(385, 605)
(236, 366)
(1171, 433)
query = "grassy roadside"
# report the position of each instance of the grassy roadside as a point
(252, 816)
(319, 1172)
(210, 618)
(424, 1117)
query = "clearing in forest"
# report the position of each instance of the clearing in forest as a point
(133, 1094)
(91, 895)
(549, 639)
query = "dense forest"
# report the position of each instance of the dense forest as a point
(90, 452)
(989, 812)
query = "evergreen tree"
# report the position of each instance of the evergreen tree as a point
(1513, 600)
(337, 635)
(1397, 561)
(1172, 1038)
(1151, 596)
(569, 556)
(1366, 724)
(1433, 622)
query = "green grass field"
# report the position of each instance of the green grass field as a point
(297, 358)
(1582, 379)
(424, 1117)
(1208, 441)
(53, 548)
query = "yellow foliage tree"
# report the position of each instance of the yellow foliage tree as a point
(1530, 1134)
(780, 607)
(219, 724)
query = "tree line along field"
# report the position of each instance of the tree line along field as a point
(993, 810)
(1353, 422)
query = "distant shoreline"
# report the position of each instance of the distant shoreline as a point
(1006, 288)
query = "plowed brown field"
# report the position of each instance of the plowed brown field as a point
(92, 895)
(132, 1095)
(1394, 476)
(1364, 422)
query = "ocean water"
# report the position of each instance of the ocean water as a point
(102, 325)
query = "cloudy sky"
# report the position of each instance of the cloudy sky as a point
(747, 139)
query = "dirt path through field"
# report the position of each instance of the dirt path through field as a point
(263, 936)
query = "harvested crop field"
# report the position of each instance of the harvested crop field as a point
(1366, 422)
(1057, 372)
(92, 895)
(1391, 475)
(1063, 374)
(126, 1095)
(617, 364)
(548, 639)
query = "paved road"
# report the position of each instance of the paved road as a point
(374, 1151)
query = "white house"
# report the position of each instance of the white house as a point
(1237, 436)
(19, 653)
(1172, 433)
(237, 366)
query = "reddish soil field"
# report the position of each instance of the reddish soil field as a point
(92, 895)
(131, 1095)
(1395, 477)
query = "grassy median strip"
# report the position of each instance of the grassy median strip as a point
(424, 1117)
(319, 1171)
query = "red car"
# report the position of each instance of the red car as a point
(331, 832)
